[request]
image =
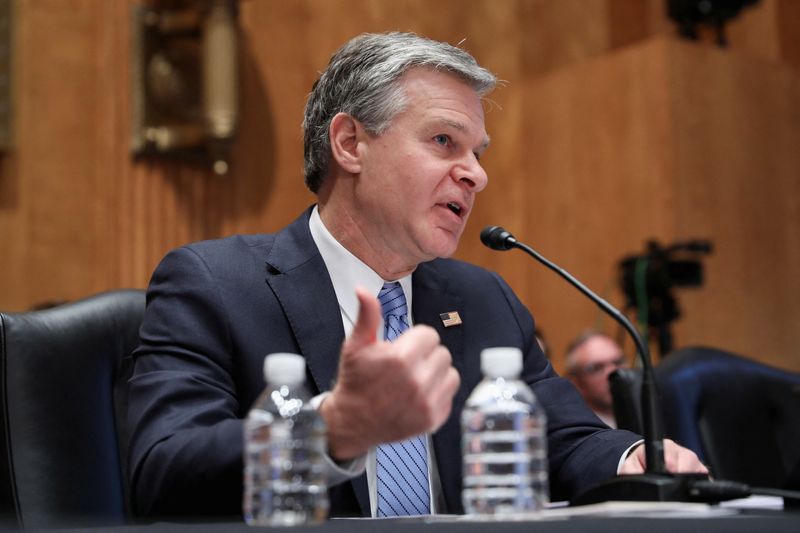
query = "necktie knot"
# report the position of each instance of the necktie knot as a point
(394, 308)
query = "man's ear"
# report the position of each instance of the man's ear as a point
(345, 133)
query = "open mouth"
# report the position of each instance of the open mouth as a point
(455, 208)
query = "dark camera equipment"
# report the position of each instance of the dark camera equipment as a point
(647, 281)
(689, 14)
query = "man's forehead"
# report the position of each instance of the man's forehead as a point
(600, 344)
(432, 83)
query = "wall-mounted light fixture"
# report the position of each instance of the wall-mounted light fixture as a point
(185, 80)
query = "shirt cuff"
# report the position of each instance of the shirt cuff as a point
(340, 471)
(627, 453)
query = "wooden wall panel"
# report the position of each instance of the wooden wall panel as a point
(736, 129)
(79, 215)
(787, 16)
(53, 216)
(672, 141)
(599, 183)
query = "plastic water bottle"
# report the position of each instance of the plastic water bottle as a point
(284, 445)
(504, 441)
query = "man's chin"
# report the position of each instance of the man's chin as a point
(440, 243)
(447, 243)
(446, 252)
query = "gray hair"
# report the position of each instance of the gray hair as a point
(363, 80)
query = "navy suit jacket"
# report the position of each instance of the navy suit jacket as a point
(216, 308)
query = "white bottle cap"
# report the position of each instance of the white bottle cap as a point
(284, 368)
(501, 362)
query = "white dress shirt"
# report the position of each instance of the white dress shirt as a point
(348, 272)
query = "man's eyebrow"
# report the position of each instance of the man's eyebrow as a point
(453, 124)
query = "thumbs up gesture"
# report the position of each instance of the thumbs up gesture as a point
(387, 391)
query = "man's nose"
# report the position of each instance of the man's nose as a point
(472, 174)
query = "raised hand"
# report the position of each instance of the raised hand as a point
(386, 391)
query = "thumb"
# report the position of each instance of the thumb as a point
(369, 315)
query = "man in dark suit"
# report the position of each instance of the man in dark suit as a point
(394, 130)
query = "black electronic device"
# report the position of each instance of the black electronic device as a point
(689, 14)
(648, 280)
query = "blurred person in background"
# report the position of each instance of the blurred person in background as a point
(591, 358)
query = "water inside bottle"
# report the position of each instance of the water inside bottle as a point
(286, 470)
(505, 459)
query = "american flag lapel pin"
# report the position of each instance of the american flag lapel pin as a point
(450, 319)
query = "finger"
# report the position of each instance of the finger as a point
(369, 315)
(692, 464)
(670, 456)
(443, 397)
(417, 343)
(434, 367)
(688, 462)
(682, 460)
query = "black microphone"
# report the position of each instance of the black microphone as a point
(497, 238)
(655, 484)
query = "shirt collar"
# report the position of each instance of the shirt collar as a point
(348, 272)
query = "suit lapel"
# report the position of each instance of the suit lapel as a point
(300, 281)
(298, 277)
(432, 298)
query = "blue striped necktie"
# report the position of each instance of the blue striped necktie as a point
(402, 467)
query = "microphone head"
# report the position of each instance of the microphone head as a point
(497, 238)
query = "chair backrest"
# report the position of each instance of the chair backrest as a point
(741, 417)
(62, 382)
(626, 392)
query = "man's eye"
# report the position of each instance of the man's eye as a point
(444, 140)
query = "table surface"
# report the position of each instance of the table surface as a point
(611, 517)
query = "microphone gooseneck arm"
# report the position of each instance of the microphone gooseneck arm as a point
(498, 238)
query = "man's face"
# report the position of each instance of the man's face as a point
(419, 178)
(595, 359)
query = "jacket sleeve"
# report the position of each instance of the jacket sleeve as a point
(184, 418)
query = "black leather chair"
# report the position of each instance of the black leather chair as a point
(626, 394)
(63, 374)
(741, 417)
